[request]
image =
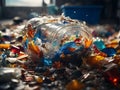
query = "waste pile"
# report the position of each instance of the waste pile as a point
(59, 53)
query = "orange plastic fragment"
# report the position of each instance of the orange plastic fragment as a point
(34, 48)
(113, 44)
(87, 43)
(4, 46)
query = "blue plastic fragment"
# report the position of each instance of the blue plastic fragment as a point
(109, 51)
(25, 45)
(100, 44)
(4, 59)
(65, 49)
(46, 61)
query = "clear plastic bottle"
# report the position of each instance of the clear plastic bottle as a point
(56, 34)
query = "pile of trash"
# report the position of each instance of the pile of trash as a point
(59, 53)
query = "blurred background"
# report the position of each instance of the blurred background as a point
(27, 9)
